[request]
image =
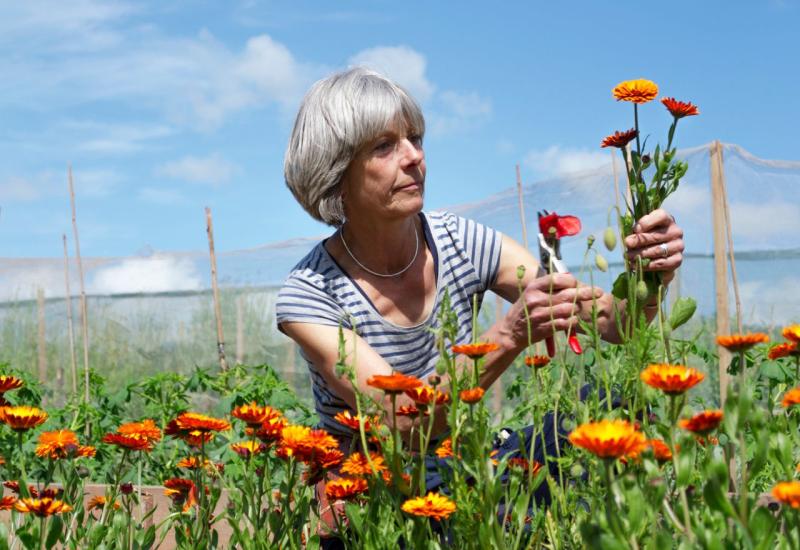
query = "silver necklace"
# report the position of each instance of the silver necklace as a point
(368, 270)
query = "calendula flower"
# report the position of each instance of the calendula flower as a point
(537, 361)
(742, 342)
(345, 488)
(352, 421)
(41, 507)
(23, 417)
(58, 444)
(357, 465)
(303, 443)
(409, 410)
(792, 333)
(671, 379)
(609, 438)
(99, 502)
(783, 350)
(619, 139)
(129, 442)
(7, 503)
(193, 463)
(85, 451)
(661, 451)
(328, 458)
(476, 350)
(791, 398)
(190, 421)
(246, 449)
(254, 414)
(181, 491)
(638, 91)
(472, 395)
(270, 430)
(445, 450)
(679, 109)
(394, 383)
(146, 429)
(559, 226)
(702, 422)
(520, 463)
(433, 505)
(8, 383)
(425, 395)
(787, 492)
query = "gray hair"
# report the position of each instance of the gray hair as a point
(338, 116)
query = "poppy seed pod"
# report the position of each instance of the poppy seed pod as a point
(601, 263)
(590, 241)
(641, 291)
(609, 239)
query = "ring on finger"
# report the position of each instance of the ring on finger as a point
(664, 250)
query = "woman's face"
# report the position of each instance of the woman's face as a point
(387, 177)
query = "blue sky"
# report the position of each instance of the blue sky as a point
(166, 107)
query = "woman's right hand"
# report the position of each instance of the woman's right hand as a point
(554, 303)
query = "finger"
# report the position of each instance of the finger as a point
(661, 235)
(659, 251)
(560, 311)
(649, 222)
(666, 264)
(538, 298)
(554, 281)
(560, 325)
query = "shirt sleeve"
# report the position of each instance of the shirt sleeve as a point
(301, 301)
(482, 245)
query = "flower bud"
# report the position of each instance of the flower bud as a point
(434, 380)
(610, 239)
(520, 272)
(126, 488)
(589, 241)
(641, 291)
(601, 263)
(441, 367)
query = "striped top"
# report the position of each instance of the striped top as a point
(466, 258)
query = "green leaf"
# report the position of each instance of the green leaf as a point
(54, 533)
(762, 526)
(716, 488)
(620, 288)
(682, 311)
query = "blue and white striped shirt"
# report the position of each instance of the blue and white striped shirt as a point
(466, 259)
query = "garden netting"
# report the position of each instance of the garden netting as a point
(154, 313)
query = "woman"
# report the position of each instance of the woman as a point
(355, 161)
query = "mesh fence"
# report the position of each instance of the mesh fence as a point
(155, 313)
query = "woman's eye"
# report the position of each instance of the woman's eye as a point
(416, 140)
(383, 146)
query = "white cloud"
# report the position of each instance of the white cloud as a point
(458, 111)
(158, 273)
(762, 221)
(772, 302)
(116, 138)
(557, 160)
(160, 196)
(93, 183)
(211, 170)
(15, 189)
(400, 63)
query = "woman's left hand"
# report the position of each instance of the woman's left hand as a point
(658, 238)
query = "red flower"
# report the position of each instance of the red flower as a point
(702, 423)
(679, 109)
(559, 226)
(425, 395)
(619, 139)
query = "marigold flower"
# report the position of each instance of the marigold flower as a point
(181, 491)
(130, 442)
(638, 91)
(783, 350)
(619, 139)
(476, 350)
(328, 458)
(791, 397)
(146, 429)
(41, 507)
(671, 379)
(537, 361)
(254, 414)
(99, 502)
(472, 395)
(345, 488)
(394, 383)
(525, 465)
(190, 421)
(608, 438)
(787, 492)
(445, 450)
(8, 383)
(196, 438)
(352, 421)
(22, 417)
(270, 430)
(792, 333)
(433, 505)
(661, 451)
(85, 451)
(741, 342)
(7, 503)
(303, 443)
(410, 410)
(702, 422)
(57, 444)
(425, 395)
(246, 449)
(357, 464)
(679, 109)
(193, 463)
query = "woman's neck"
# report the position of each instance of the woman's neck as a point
(384, 247)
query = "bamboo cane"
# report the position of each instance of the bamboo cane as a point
(239, 329)
(720, 265)
(83, 309)
(497, 397)
(70, 332)
(729, 238)
(217, 310)
(41, 343)
(522, 210)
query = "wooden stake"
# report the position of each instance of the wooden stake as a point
(70, 332)
(521, 209)
(720, 264)
(41, 343)
(83, 309)
(497, 397)
(729, 238)
(217, 310)
(239, 329)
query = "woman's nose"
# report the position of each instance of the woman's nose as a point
(412, 151)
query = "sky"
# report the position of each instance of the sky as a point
(164, 108)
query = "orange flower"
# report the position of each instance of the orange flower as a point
(23, 417)
(352, 421)
(85, 451)
(196, 438)
(270, 429)
(99, 502)
(129, 442)
(190, 421)
(792, 332)
(425, 395)
(433, 505)
(394, 383)
(181, 491)
(537, 361)
(671, 379)
(476, 350)
(345, 488)
(679, 109)
(661, 451)
(357, 464)
(791, 398)
(56, 445)
(525, 465)
(410, 410)
(42, 507)
(146, 429)
(787, 492)
(742, 342)
(701, 423)
(472, 395)
(246, 449)
(609, 438)
(783, 350)
(304, 443)
(7, 503)
(619, 139)
(254, 414)
(328, 458)
(8, 383)
(445, 450)
(637, 91)
(193, 463)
